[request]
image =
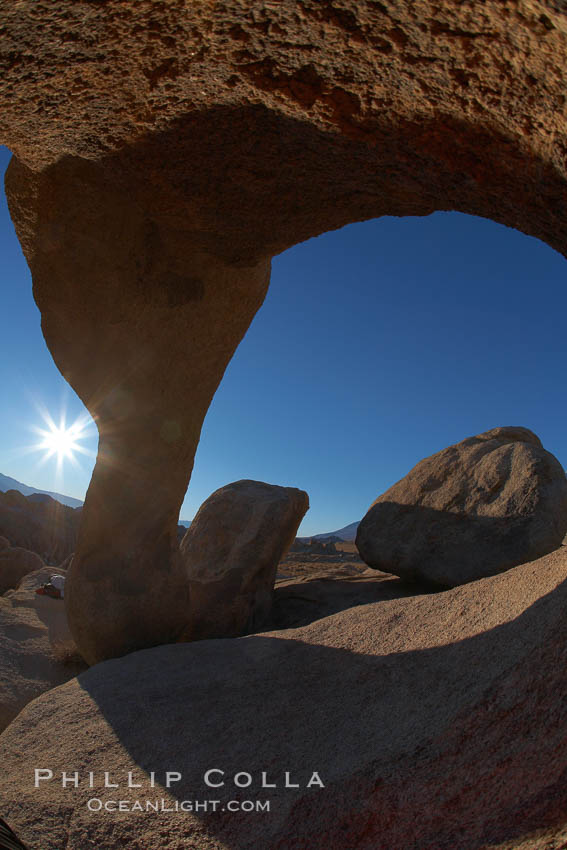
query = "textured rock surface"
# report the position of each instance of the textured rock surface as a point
(472, 510)
(231, 554)
(356, 108)
(15, 563)
(164, 154)
(36, 649)
(40, 524)
(434, 723)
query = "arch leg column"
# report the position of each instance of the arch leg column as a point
(142, 323)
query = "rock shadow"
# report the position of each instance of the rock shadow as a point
(298, 602)
(458, 743)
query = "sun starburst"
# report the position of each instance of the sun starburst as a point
(63, 441)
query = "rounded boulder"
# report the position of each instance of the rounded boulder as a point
(472, 510)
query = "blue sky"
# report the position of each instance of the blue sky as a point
(378, 345)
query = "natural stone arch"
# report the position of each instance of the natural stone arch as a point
(165, 153)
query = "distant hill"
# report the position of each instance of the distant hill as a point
(7, 483)
(348, 533)
(40, 523)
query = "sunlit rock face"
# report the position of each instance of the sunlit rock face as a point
(165, 152)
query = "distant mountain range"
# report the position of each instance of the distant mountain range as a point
(7, 483)
(348, 533)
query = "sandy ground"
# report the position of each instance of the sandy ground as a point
(345, 562)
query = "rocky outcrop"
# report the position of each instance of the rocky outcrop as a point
(433, 722)
(314, 546)
(37, 651)
(472, 510)
(15, 563)
(164, 156)
(231, 554)
(40, 524)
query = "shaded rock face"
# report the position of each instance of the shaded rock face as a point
(15, 563)
(477, 508)
(429, 730)
(162, 159)
(41, 525)
(231, 554)
(176, 312)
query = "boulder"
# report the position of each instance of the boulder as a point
(15, 563)
(231, 554)
(4, 543)
(433, 722)
(36, 649)
(475, 509)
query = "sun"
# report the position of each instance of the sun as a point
(61, 441)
